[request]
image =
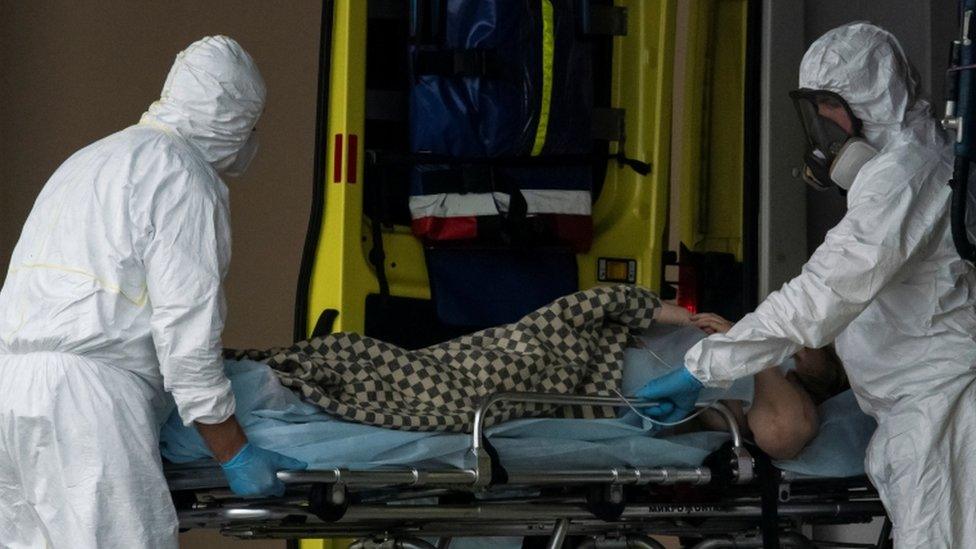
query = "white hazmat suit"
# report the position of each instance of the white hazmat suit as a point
(889, 288)
(113, 299)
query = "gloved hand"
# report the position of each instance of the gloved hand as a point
(252, 472)
(676, 392)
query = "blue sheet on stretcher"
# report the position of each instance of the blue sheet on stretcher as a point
(275, 418)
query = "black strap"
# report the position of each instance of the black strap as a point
(516, 230)
(884, 537)
(769, 478)
(326, 323)
(377, 256)
(643, 168)
(472, 178)
(476, 63)
(499, 475)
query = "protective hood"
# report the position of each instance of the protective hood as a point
(212, 97)
(866, 66)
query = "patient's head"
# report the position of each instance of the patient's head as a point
(820, 372)
(817, 360)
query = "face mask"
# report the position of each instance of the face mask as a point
(855, 153)
(836, 151)
(239, 165)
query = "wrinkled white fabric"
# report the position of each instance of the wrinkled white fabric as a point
(242, 161)
(58, 412)
(889, 287)
(866, 66)
(212, 97)
(114, 297)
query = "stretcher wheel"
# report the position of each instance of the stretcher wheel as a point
(183, 499)
(606, 502)
(329, 502)
(722, 464)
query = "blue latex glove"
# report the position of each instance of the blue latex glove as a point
(252, 472)
(677, 392)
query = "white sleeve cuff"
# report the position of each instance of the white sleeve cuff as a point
(694, 365)
(209, 405)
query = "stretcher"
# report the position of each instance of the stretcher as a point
(736, 498)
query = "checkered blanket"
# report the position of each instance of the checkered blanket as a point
(573, 346)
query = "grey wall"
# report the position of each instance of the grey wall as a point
(782, 212)
(909, 20)
(73, 72)
(924, 28)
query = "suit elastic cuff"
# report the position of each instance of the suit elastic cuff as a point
(694, 365)
(208, 406)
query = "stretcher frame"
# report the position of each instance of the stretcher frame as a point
(725, 503)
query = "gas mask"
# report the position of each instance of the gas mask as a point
(836, 149)
(243, 158)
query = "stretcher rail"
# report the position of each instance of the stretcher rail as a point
(396, 502)
(482, 460)
(531, 512)
(479, 475)
(499, 519)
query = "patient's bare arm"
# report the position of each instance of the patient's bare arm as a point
(820, 373)
(783, 418)
(672, 314)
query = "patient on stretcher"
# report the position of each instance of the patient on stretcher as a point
(781, 422)
(778, 406)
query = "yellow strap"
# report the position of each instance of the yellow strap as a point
(548, 53)
(138, 301)
(148, 120)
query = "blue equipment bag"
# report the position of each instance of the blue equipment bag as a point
(500, 78)
(502, 95)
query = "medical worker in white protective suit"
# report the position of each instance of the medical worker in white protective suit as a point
(887, 286)
(114, 299)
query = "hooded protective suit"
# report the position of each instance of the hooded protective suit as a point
(888, 286)
(113, 299)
